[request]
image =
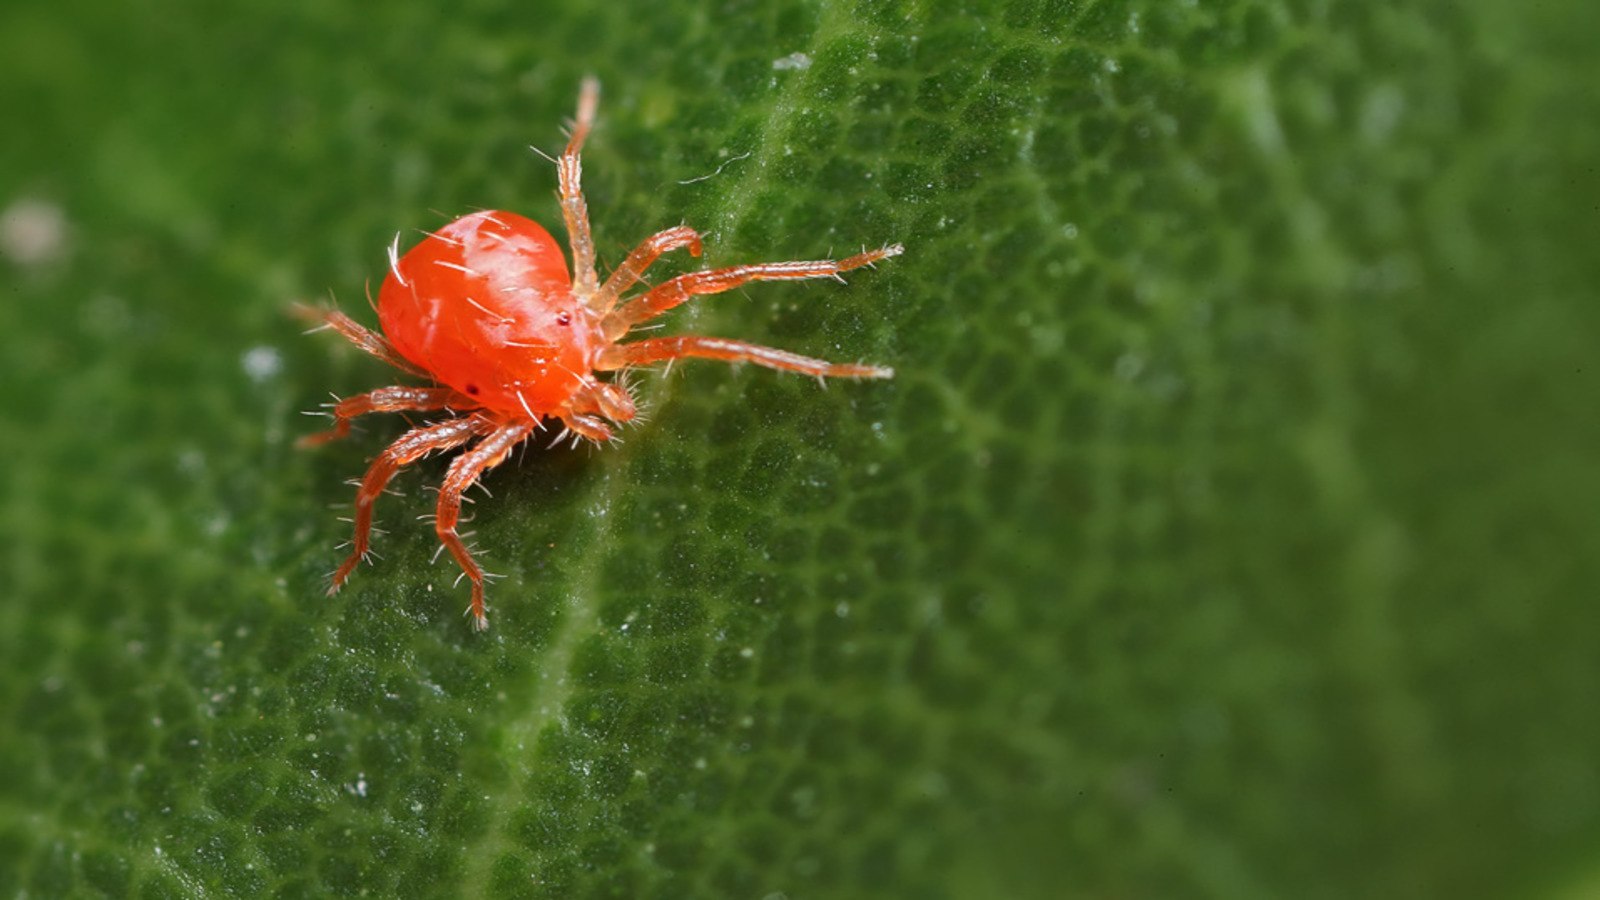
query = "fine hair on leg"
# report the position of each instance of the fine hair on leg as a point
(464, 472)
(399, 398)
(410, 447)
(671, 293)
(643, 256)
(642, 353)
(371, 342)
(574, 210)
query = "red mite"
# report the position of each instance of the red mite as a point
(484, 309)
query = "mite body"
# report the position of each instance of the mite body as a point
(486, 311)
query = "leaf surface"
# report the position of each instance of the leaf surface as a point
(1226, 531)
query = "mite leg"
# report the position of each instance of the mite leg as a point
(613, 401)
(659, 299)
(413, 445)
(584, 426)
(642, 353)
(573, 208)
(388, 399)
(368, 340)
(466, 469)
(627, 275)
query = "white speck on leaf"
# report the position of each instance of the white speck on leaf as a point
(796, 60)
(1382, 110)
(261, 363)
(191, 461)
(1128, 366)
(33, 233)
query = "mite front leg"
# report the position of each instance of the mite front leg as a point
(642, 353)
(368, 340)
(388, 399)
(612, 401)
(411, 446)
(574, 210)
(583, 426)
(627, 275)
(464, 471)
(659, 299)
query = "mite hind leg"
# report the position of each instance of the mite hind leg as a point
(371, 342)
(411, 446)
(388, 399)
(464, 472)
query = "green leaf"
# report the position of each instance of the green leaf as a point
(1228, 529)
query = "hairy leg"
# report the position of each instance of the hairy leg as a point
(466, 469)
(388, 399)
(573, 208)
(641, 353)
(596, 397)
(627, 275)
(368, 340)
(669, 294)
(413, 445)
(581, 425)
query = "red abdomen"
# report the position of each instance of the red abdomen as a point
(485, 305)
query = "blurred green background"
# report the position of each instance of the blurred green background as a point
(1228, 531)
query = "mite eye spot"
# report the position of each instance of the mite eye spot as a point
(472, 389)
(563, 318)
